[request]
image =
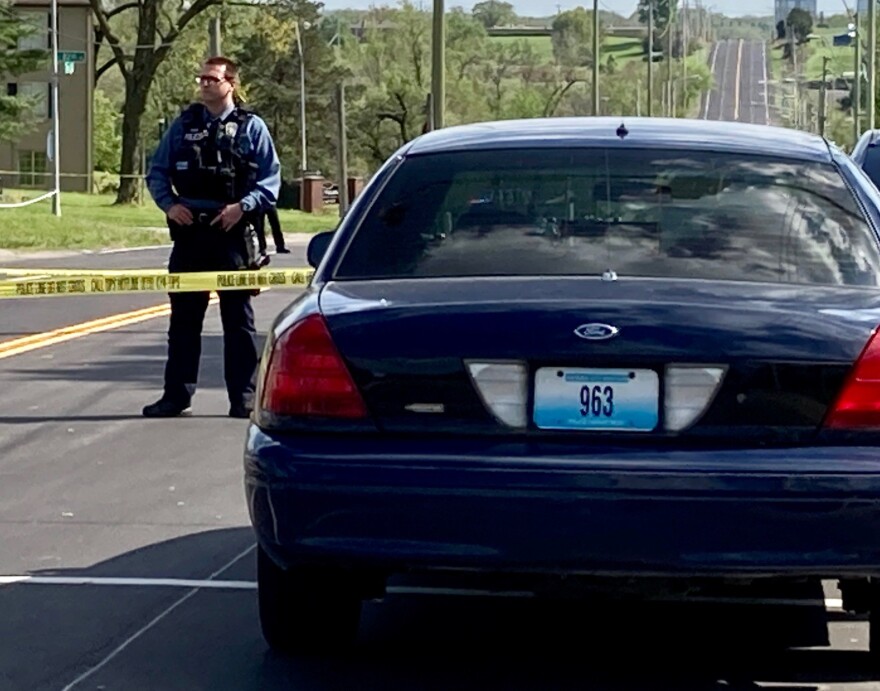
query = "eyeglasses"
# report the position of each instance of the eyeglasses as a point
(209, 80)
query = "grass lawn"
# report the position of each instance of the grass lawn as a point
(91, 221)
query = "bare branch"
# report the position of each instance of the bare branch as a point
(556, 97)
(106, 66)
(161, 52)
(116, 10)
(166, 15)
(402, 103)
(386, 115)
(109, 36)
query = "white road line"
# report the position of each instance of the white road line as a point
(739, 55)
(722, 88)
(148, 582)
(751, 85)
(211, 584)
(712, 72)
(122, 250)
(140, 632)
(766, 97)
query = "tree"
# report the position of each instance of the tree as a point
(16, 111)
(572, 38)
(159, 23)
(270, 63)
(502, 63)
(466, 44)
(664, 13)
(392, 65)
(800, 23)
(494, 13)
(106, 137)
(780, 29)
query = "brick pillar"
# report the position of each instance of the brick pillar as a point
(355, 185)
(312, 194)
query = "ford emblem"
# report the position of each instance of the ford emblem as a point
(596, 332)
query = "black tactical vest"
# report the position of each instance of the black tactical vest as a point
(213, 161)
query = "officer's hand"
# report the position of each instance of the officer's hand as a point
(229, 216)
(180, 215)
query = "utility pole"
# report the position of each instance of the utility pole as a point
(342, 150)
(650, 58)
(302, 97)
(822, 96)
(669, 43)
(872, 62)
(684, 53)
(214, 40)
(595, 57)
(438, 65)
(857, 86)
(56, 124)
(792, 46)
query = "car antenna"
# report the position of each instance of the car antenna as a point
(622, 131)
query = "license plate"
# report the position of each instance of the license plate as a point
(596, 399)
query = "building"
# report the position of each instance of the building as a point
(26, 162)
(783, 7)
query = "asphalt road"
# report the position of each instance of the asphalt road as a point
(740, 91)
(89, 490)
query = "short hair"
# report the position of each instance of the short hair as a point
(231, 67)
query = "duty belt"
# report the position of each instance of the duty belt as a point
(205, 217)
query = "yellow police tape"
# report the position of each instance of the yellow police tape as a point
(27, 283)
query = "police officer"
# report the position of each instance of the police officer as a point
(215, 168)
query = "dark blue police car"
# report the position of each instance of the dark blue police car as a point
(577, 347)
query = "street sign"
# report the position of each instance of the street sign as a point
(71, 56)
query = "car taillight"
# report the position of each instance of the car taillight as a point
(307, 375)
(858, 404)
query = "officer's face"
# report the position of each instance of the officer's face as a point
(213, 84)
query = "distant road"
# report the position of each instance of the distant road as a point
(740, 92)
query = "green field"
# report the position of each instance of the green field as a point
(841, 58)
(94, 222)
(540, 44)
(621, 47)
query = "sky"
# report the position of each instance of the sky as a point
(539, 8)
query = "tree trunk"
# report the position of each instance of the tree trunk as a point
(140, 74)
(129, 166)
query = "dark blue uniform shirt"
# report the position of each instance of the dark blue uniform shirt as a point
(268, 177)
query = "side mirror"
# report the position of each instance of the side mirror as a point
(318, 247)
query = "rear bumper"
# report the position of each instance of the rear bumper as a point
(485, 505)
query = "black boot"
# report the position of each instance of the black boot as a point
(241, 410)
(166, 408)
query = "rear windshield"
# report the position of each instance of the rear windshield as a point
(655, 213)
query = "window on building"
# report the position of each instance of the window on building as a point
(39, 39)
(31, 168)
(40, 93)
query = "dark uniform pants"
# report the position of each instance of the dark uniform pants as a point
(270, 215)
(201, 247)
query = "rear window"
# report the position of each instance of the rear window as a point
(655, 213)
